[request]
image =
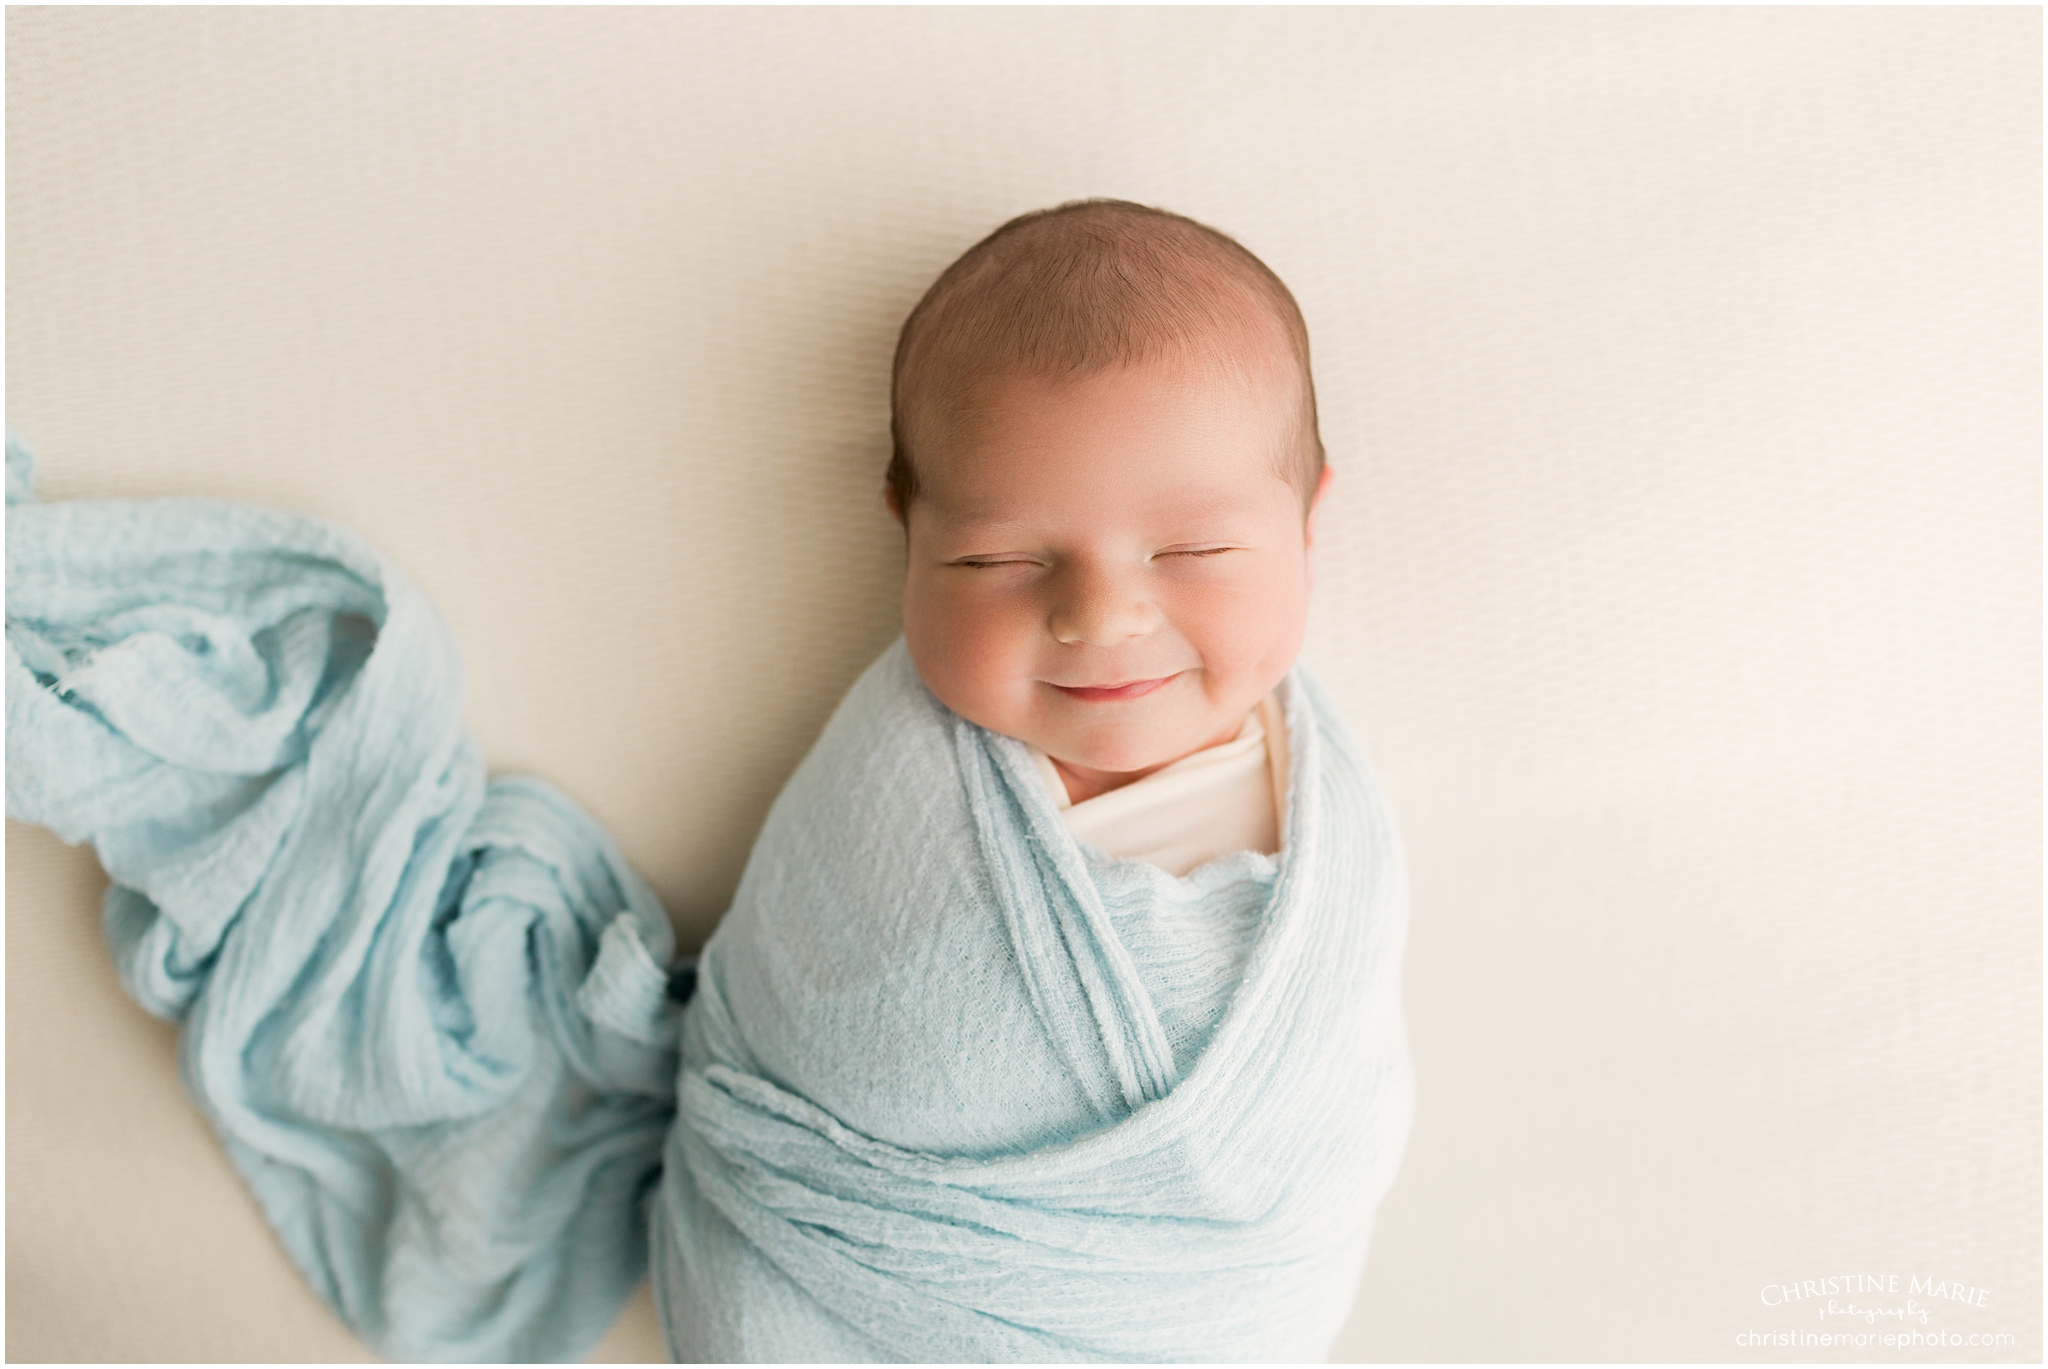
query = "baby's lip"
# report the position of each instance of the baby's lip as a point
(1129, 689)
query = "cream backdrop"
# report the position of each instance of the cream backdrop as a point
(1681, 370)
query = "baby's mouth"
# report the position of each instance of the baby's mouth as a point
(1130, 689)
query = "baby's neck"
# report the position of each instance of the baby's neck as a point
(1084, 783)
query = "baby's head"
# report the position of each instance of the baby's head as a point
(1107, 469)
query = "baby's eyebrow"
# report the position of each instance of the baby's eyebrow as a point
(1208, 504)
(979, 516)
(982, 528)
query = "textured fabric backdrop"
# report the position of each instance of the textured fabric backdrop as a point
(1681, 372)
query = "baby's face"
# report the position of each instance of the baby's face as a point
(1110, 568)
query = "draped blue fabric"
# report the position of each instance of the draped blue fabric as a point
(951, 1085)
(425, 1013)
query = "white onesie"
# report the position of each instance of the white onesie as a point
(1203, 806)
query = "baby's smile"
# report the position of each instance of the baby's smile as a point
(1113, 693)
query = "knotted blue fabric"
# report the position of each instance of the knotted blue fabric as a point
(950, 1087)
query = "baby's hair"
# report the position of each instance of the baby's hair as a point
(1080, 288)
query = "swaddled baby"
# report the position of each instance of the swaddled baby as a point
(1056, 1016)
(1067, 963)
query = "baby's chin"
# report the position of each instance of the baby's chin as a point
(1121, 750)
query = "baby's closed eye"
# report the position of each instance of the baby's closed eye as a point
(1021, 559)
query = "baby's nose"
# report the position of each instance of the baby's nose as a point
(1100, 608)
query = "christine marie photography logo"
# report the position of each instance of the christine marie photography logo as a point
(1876, 1311)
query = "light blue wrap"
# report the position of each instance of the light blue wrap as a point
(951, 1086)
(425, 1014)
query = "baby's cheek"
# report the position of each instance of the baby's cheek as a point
(988, 662)
(972, 653)
(1249, 630)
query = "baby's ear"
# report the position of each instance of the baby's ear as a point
(1315, 504)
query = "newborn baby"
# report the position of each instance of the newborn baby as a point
(1103, 963)
(1057, 1013)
